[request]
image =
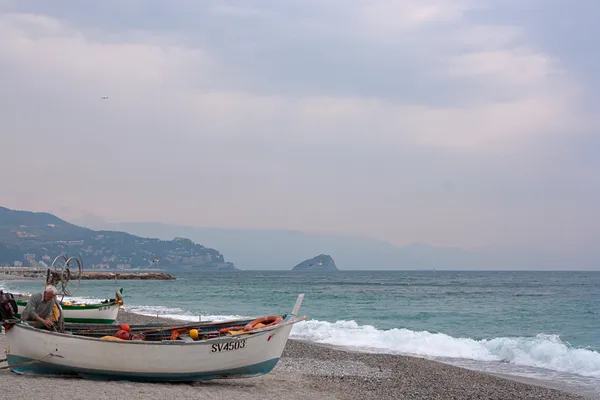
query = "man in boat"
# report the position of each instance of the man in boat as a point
(43, 307)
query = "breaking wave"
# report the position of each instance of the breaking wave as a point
(541, 351)
(546, 351)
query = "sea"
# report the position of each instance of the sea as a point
(542, 325)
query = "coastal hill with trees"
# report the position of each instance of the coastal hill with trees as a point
(36, 238)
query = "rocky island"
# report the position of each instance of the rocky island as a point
(322, 262)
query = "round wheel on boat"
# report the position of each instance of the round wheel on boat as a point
(73, 272)
(63, 271)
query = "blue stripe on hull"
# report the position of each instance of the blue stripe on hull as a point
(42, 368)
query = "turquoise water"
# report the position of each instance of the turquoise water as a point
(537, 324)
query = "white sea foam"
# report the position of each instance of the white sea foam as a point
(176, 313)
(541, 351)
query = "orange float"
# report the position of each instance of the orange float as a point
(265, 321)
(231, 328)
(121, 334)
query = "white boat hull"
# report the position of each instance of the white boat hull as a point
(90, 314)
(45, 352)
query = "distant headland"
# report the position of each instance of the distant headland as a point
(322, 262)
(34, 239)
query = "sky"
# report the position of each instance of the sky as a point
(447, 122)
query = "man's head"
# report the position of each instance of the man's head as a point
(49, 293)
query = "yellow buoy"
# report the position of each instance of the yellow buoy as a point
(108, 337)
(194, 334)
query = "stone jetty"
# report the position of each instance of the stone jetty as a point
(156, 276)
(8, 272)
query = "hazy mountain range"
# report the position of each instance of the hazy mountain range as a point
(36, 238)
(282, 249)
(26, 232)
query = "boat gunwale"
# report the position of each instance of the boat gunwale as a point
(85, 306)
(290, 320)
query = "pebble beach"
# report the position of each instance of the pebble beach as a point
(305, 371)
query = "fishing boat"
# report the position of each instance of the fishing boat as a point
(151, 352)
(65, 274)
(104, 312)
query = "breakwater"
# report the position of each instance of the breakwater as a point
(40, 273)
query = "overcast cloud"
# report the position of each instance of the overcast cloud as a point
(450, 122)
